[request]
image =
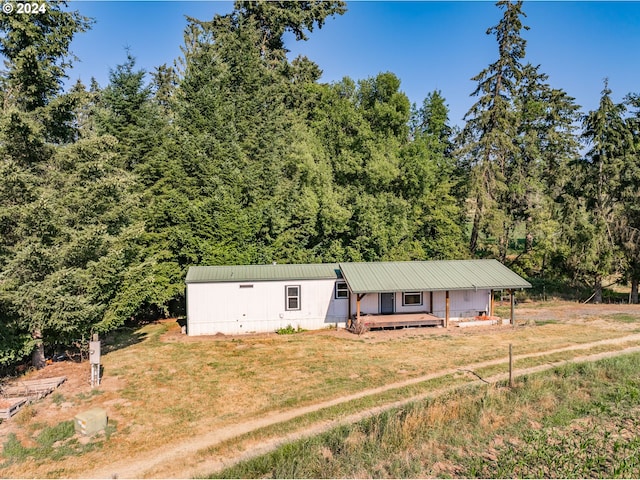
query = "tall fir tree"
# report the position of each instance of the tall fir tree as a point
(547, 143)
(516, 145)
(591, 205)
(628, 225)
(431, 181)
(34, 119)
(488, 137)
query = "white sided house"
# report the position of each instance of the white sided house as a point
(263, 298)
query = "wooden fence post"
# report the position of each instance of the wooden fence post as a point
(513, 304)
(510, 366)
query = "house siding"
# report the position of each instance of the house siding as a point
(370, 304)
(463, 303)
(231, 309)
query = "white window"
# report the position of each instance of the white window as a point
(342, 291)
(292, 297)
(411, 298)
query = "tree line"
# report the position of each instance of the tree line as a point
(237, 155)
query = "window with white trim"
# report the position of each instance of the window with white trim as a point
(292, 297)
(342, 291)
(411, 298)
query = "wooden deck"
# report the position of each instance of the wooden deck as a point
(398, 320)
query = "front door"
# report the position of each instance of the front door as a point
(386, 303)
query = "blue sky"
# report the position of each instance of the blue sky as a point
(429, 45)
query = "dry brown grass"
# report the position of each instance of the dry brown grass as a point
(168, 388)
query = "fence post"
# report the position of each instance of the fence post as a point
(510, 366)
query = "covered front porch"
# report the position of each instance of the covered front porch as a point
(412, 294)
(360, 322)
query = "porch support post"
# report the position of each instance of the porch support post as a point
(446, 310)
(491, 303)
(431, 302)
(359, 297)
(349, 320)
(513, 316)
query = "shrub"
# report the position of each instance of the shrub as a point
(288, 330)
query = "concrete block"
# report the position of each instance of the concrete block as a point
(91, 422)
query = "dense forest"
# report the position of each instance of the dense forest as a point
(237, 155)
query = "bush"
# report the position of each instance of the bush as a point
(288, 330)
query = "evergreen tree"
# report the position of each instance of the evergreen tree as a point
(34, 119)
(432, 183)
(488, 137)
(628, 227)
(433, 119)
(547, 143)
(65, 269)
(274, 18)
(516, 147)
(394, 193)
(127, 112)
(165, 81)
(232, 181)
(36, 51)
(592, 206)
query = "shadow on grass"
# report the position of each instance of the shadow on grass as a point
(122, 338)
(78, 352)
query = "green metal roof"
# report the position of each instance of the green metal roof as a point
(375, 277)
(435, 275)
(257, 273)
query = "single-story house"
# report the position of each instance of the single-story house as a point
(238, 299)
